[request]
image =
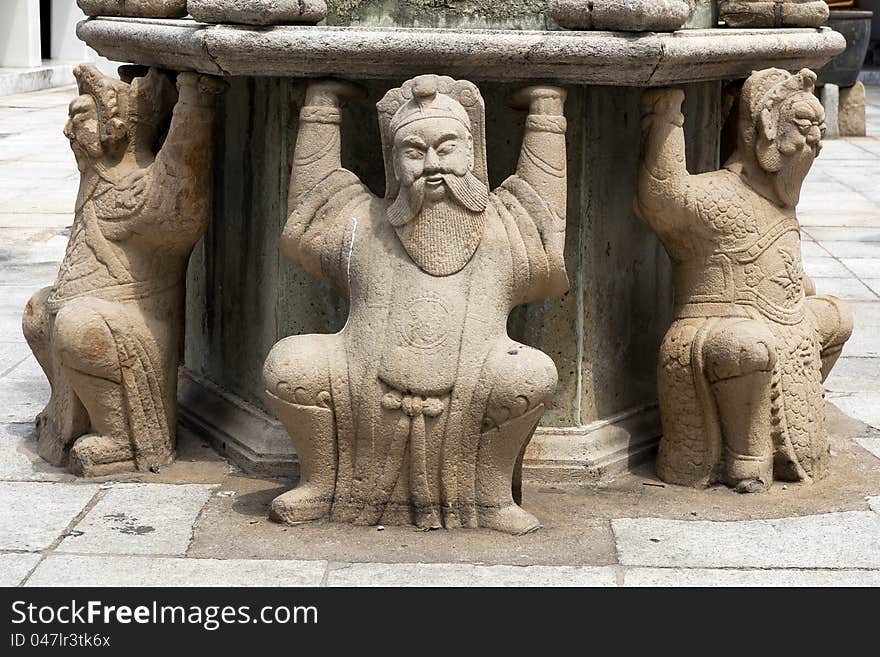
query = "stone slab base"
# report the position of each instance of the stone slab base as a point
(258, 444)
(594, 452)
(23, 80)
(246, 435)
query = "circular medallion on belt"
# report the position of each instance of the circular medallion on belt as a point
(427, 323)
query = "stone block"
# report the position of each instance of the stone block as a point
(140, 519)
(22, 398)
(854, 375)
(134, 8)
(99, 570)
(829, 94)
(447, 574)
(834, 540)
(33, 515)
(773, 13)
(625, 15)
(872, 445)
(666, 577)
(480, 14)
(19, 460)
(15, 567)
(258, 12)
(851, 112)
(849, 289)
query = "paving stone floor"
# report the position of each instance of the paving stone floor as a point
(202, 522)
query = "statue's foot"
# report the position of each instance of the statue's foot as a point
(750, 486)
(300, 505)
(95, 455)
(511, 519)
(51, 445)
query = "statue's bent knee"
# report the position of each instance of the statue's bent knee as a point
(833, 320)
(297, 370)
(35, 320)
(82, 338)
(297, 380)
(522, 378)
(739, 348)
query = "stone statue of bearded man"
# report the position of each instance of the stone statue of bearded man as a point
(742, 366)
(418, 409)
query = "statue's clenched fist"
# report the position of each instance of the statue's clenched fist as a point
(540, 99)
(665, 103)
(330, 92)
(199, 89)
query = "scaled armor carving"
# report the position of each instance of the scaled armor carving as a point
(742, 366)
(417, 411)
(108, 333)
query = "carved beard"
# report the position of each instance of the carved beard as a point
(85, 155)
(791, 176)
(441, 237)
(467, 190)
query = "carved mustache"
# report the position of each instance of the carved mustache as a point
(467, 190)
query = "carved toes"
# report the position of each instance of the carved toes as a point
(300, 505)
(751, 486)
(511, 519)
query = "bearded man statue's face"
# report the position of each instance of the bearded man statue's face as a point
(428, 152)
(433, 161)
(83, 131)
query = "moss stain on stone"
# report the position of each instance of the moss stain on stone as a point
(513, 14)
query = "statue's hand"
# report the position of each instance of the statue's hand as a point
(331, 92)
(665, 103)
(540, 99)
(199, 89)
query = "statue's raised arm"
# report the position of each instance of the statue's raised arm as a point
(535, 197)
(663, 173)
(319, 187)
(542, 159)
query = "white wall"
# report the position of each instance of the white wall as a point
(20, 33)
(65, 15)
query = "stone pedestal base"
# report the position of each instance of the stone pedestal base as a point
(258, 444)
